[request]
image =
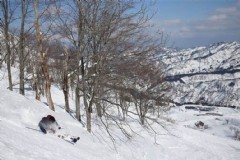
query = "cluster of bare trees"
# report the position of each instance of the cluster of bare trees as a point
(99, 49)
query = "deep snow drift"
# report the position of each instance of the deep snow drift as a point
(182, 141)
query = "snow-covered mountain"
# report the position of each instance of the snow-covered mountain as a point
(207, 75)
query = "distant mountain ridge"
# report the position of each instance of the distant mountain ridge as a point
(205, 75)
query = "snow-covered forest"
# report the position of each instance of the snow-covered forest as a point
(98, 51)
(95, 67)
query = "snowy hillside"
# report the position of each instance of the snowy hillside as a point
(181, 141)
(207, 75)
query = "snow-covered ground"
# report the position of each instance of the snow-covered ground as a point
(181, 141)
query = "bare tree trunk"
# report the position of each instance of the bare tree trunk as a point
(77, 103)
(65, 84)
(88, 114)
(21, 49)
(43, 57)
(139, 109)
(97, 96)
(66, 92)
(97, 90)
(48, 95)
(158, 111)
(1, 56)
(36, 84)
(7, 41)
(14, 52)
(97, 103)
(77, 91)
(9, 67)
(122, 106)
(81, 70)
(88, 107)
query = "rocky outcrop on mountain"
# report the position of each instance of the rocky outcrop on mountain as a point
(205, 75)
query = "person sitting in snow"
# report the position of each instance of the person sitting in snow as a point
(49, 125)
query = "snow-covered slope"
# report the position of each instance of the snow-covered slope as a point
(20, 143)
(182, 141)
(208, 75)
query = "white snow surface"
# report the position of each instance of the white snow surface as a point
(182, 141)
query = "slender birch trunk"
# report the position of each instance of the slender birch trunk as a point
(7, 41)
(43, 57)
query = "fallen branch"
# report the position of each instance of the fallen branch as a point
(209, 114)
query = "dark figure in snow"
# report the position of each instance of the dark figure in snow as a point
(49, 125)
(199, 124)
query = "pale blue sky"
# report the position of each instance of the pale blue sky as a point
(197, 22)
(191, 23)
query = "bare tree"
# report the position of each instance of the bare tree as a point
(32, 63)
(107, 35)
(43, 56)
(65, 80)
(24, 10)
(7, 19)
(125, 60)
(70, 26)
